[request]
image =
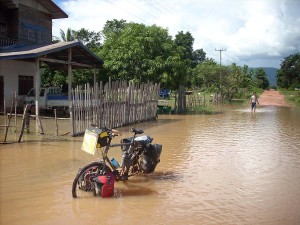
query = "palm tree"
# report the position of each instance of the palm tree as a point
(69, 36)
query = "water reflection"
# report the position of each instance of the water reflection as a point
(234, 167)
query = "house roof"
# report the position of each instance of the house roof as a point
(54, 10)
(54, 53)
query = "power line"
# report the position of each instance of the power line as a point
(137, 6)
(126, 11)
(156, 5)
(115, 5)
(160, 8)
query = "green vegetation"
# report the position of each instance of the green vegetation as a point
(206, 110)
(140, 53)
(289, 74)
(288, 79)
(292, 96)
(261, 79)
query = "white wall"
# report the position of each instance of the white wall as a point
(10, 69)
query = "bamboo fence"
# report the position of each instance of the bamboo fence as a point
(112, 105)
(195, 99)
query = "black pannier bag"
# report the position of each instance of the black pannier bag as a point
(140, 143)
(125, 148)
(150, 157)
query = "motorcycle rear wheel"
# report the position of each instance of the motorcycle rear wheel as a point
(83, 184)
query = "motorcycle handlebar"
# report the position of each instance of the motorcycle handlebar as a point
(115, 132)
(136, 131)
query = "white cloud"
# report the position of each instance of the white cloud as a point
(254, 32)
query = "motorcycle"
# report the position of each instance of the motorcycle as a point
(139, 156)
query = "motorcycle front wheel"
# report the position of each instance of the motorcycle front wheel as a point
(83, 184)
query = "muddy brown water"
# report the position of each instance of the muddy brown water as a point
(234, 167)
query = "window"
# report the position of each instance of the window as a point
(36, 34)
(2, 29)
(25, 84)
(32, 36)
(42, 92)
(40, 37)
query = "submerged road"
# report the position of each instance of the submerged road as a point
(272, 98)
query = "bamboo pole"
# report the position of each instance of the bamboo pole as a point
(56, 122)
(15, 97)
(9, 118)
(4, 112)
(40, 125)
(23, 124)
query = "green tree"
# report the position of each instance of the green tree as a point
(90, 39)
(141, 53)
(185, 41)
(191, 58)
(261, 78)
(206, 75)
(50, 76)
(237, 81)
(230, 80)
(289, 73)
(67, 36)
(198, 56)
(113, 28)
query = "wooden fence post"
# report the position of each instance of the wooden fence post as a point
(56, 122)
(9, 118)
(23, 124)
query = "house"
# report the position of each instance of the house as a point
(26, 41)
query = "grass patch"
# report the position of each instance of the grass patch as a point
(238, 101)
(292, 96)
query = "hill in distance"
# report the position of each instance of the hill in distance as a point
(271, 74)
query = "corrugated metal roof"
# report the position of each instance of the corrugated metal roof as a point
(58, 51)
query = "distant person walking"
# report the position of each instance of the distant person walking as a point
(253, 101)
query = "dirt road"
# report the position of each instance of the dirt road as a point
(273, 98)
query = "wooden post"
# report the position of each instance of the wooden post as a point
(70, 83)
(95, 82)
(27, 119)
(15, 97)
(23, 124)
(4, 111)
(56, 122)
(40, 125)
(37, 92)
(9, 118)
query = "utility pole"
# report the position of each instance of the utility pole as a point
(220, 50)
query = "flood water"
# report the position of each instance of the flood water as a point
(234, 167)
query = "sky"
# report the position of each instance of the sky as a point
(257, 33)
